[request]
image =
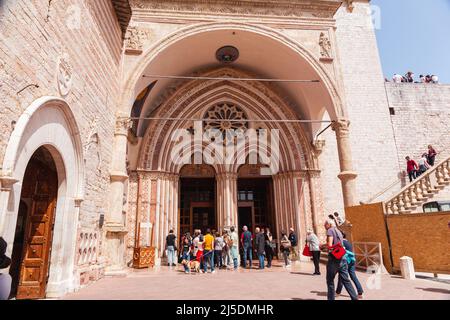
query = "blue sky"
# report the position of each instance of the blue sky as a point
(415, 35)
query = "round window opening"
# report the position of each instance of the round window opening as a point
(227, 54)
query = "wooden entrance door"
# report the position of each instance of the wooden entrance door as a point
(40, 186)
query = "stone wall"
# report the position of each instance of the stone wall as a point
(421, 114)
(365, 99)
(35, 36)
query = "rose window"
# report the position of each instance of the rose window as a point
(227, 118)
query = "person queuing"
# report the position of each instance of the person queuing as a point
(186, 253)
(233, 243)
(208, 249)
(218, 248)
(260, 243)
(171, 248)
(197, 244)
(247, 246)
(285, 245)
(294, 242)
(226, 250)
(269, 247)
(314, 247)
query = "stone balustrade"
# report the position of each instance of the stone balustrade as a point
(421, 190)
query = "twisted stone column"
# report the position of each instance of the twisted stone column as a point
(347, 175)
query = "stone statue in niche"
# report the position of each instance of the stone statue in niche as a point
(64, 77)
(325, 48)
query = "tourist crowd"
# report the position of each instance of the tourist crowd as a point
(409, 78)
(213, 251)
(416, 169)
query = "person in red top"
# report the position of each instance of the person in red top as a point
(411, 168)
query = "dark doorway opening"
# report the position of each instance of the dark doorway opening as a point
(197, 204)
(255, 203)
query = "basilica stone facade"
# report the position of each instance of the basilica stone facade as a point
(92, 93)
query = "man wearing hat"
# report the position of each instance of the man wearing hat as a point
(5, 278)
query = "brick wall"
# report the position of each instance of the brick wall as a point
(33, 35)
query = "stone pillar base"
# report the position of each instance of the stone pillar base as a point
(115, 243)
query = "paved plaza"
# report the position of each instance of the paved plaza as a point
(277, 283)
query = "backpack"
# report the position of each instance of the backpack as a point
(350, 257)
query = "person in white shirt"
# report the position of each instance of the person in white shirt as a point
(314, 247)
(397, 78)
(423, 164)
(434, 79)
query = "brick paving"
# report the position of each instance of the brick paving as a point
(277, 283)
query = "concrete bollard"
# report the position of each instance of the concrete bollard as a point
(407, 268)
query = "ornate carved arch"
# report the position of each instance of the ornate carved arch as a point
(193, 99)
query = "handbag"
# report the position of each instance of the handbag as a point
(306, 252)
(286, 244)
(337, 251)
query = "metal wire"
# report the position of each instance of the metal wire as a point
(154, 76)
(232, 120)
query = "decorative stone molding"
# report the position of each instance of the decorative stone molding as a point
(7, 182)
(347, 175)
(197, 170)
(135, 38)
(118, 176)
(287, 8)
(65, 75)
(325, 48)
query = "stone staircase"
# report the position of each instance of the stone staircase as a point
(422, 190)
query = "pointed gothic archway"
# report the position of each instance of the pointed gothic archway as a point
(193, 100)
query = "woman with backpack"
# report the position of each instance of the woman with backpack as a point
(285, 248)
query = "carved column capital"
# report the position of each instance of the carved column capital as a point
(7, 182)
(227, 176)
(123, 124)
(341, 127)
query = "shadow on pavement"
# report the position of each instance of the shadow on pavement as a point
(436, 290)
(320, 293)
